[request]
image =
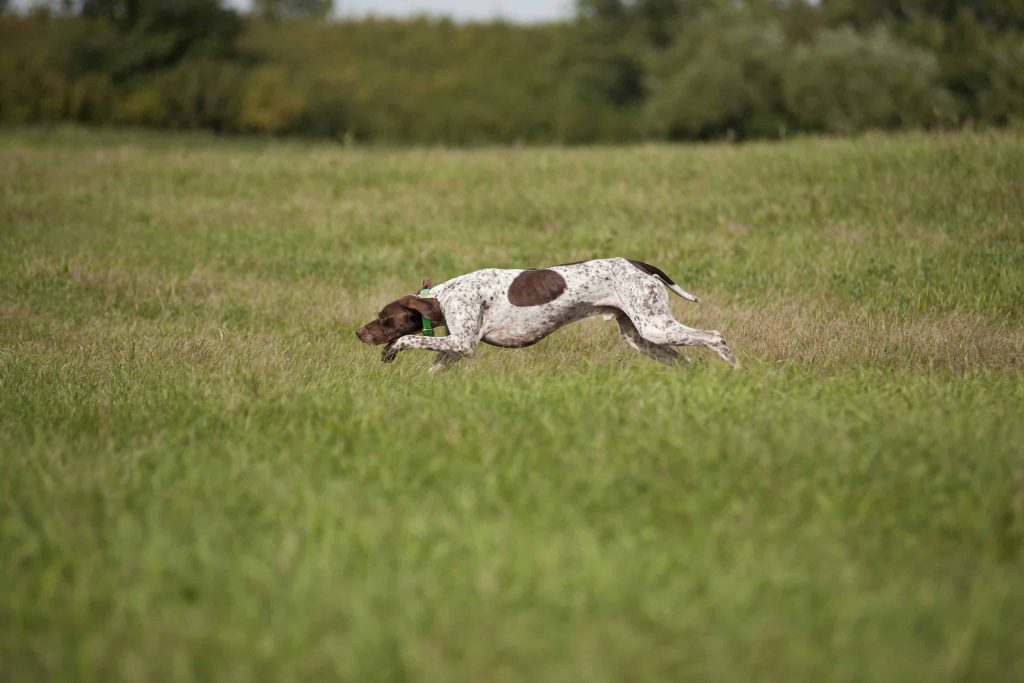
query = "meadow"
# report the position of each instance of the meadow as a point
(205, 476)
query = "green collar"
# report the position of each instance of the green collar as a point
(428, 328)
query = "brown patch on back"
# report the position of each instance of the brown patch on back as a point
(535, 287)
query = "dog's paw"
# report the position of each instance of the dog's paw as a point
(726, 354)
(389, 353)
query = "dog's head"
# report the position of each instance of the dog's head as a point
(399, 318)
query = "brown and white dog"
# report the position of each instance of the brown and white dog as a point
(515, 308)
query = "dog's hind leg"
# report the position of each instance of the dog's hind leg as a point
(648, 310)
(668, 330)
(664, 354)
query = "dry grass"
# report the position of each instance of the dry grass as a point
(814, 336)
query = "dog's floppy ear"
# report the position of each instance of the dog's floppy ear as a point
(429, 308)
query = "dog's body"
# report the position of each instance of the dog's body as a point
(516, 308)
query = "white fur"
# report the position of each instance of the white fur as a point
(476, 308)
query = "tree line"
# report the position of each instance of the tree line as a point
(621, 70)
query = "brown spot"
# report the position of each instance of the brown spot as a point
(535, 287)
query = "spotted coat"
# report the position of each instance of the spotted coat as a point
(516, 308)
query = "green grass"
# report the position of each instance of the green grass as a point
(204, 476)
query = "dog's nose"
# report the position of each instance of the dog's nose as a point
(361, 333)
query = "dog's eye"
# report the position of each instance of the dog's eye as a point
(381, 317)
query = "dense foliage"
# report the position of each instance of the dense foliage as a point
(646, 69)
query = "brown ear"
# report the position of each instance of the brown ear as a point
(429, 308)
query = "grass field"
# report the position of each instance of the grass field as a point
(205, 476)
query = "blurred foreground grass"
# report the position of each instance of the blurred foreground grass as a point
(204, 476)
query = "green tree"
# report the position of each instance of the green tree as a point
(607, 67)
(996, 14)
(721, 76)
(1002, 101)
(844, 81)
(651, 21)
(975, 42)
(293, 9)
(126, 38)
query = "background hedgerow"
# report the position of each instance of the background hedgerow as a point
(619, 71)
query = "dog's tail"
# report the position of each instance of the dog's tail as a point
(683, 293)
(669, 282)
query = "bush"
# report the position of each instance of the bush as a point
(33, 86)
(327, 111)
(91, 99)
(720, 77)
(844, 82)
(143, 106)
(20, 92)
(268, 103)
(1003, 100)
(202, 94)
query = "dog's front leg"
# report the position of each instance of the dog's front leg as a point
(458, 345)
(463, 324)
